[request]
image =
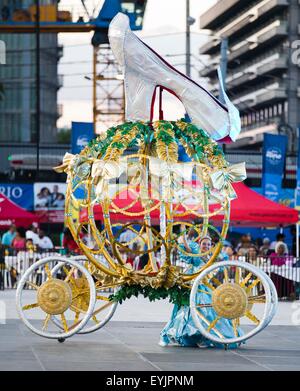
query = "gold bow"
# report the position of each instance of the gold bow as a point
(168, 172)
(67, 164)
(222, 179)
(102, 172)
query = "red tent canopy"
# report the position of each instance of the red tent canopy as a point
(11, 213)
(249, 209)
(253, 209)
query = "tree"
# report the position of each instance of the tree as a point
(64, 136)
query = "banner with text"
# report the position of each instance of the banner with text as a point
(20, 193)
(82, 134)
(274, 153)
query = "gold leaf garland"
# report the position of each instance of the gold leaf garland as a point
(165, 151)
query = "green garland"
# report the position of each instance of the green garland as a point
(177, 295)
(185, 133)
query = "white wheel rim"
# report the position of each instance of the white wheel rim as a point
(86, 317)
(267, 310)
(274, 299)
(91, 329)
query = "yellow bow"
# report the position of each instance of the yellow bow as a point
(167, 171)
(102, 172)
(222, 179)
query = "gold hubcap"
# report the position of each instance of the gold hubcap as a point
(54, 296)
(229, 301)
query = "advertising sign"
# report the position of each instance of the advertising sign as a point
(49, 196)
(20, 194)
(82, 134)
(274, 152)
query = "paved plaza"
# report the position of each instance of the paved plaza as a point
(130, 342)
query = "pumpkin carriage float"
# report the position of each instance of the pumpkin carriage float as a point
(159, 199)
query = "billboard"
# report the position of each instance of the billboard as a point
(82, 134)
(21, 194)
(274, 153)
(49, 196)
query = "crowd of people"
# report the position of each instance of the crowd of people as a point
(19, 239)
(277, 251)
(133, 248)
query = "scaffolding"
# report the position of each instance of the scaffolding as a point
(108, 90)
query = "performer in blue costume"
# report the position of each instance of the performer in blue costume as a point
(181, 330)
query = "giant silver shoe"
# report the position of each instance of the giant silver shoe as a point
(144, 70)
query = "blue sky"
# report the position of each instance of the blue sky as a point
(162, 16)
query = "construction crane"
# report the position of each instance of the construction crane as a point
(108, 93)
(53, 19)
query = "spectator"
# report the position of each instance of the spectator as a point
(44, 243)
(280, 256)
(279, 238)
(69, 243)
(142, 262)
(29, 245)
(228, 250)
(13, 276)
(32, 233)
(265, 250)
(132, 255)
(242, 252)
(9, 236)
(244, 243)
(252, 254)
(2, 266)
(19, 241)
(285, 287)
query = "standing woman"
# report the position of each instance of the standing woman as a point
(181, 330)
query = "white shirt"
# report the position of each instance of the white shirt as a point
(32, 235)
(45, 243)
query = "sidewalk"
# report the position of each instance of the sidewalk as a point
(142, 310)
(134, 346)
(130, 342)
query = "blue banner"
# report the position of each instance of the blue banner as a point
(297, 190)
(82, 134)
(21, 194)
(274, 152)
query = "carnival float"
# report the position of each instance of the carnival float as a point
(159, 199)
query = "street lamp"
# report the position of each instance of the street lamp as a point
(189, 22)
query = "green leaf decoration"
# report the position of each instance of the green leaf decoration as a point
(177, 295)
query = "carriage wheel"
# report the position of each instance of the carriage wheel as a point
(104, 308)
(53, 297)
(226, 294)
(274, 299)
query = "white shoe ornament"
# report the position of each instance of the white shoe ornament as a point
(145, 70)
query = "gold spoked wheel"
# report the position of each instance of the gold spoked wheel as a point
(232, 301)
(104, 308)
(54, 297)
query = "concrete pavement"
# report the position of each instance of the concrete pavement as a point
(130, 342)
